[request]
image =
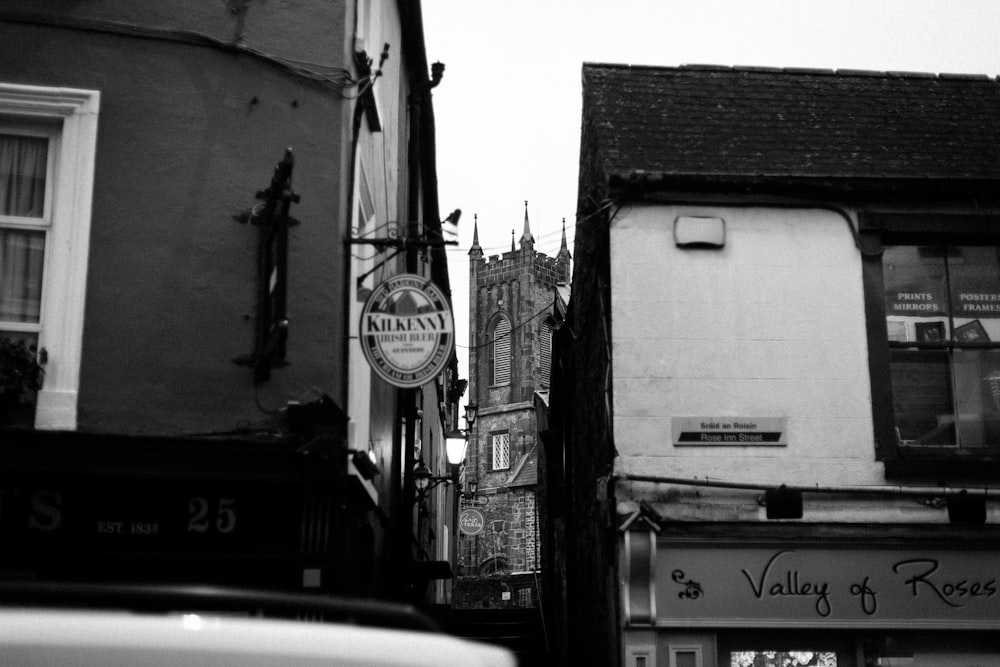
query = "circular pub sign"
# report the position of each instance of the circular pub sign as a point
(407, 331)
(471, 522)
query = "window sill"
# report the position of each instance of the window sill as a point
(939, 465)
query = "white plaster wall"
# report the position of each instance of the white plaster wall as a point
(772, 325)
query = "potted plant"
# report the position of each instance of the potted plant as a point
(22, 370)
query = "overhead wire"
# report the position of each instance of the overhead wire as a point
(514, 328)
(329, 74)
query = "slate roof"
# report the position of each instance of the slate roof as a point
(752, 122)
(526, 472)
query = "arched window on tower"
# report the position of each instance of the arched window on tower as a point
(501, 352)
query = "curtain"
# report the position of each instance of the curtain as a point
(22, 175)
(21, 256)
(22, 251)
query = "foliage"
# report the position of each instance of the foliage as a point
(22, 370)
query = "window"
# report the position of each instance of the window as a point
(493, 565)
(501, 451)
(933, 301)
(501, 352)
(685, 656)
(767, 648)
(47, 148)
(25, 218)
(783, 659)
(943, 317)
(643, 655)
(545, 352)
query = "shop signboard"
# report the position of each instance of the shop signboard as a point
(407, 331)
(471, 522)
(711, 586)
(151, 516)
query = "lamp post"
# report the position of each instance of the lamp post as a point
(471, 412)
(456, 444)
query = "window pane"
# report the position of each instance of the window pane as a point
(977, 397)
(22, 175)
(916, 296)
(501, 451)
(974, 274)
(686, 659)
(922, 398)
(22, 254)
(29, 339)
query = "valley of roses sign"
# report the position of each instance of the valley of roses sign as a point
(407, 331)
(813, 587)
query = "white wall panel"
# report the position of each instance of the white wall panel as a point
(771, 325)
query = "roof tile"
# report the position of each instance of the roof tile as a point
(792, 123)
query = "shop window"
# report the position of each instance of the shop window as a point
(782, 659)
(767, 648)
(501, 451)
(943, 316)
(934, 342)
(47, 156)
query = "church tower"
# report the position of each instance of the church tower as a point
(511, 301)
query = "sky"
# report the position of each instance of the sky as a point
(508, 109)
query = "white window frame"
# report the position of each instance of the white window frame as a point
(42, 223)
(74, 112)
(504, 440)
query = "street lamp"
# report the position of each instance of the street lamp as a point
(457, 443)
(424, 480)
(454, 443)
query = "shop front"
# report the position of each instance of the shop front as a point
(859, 601)
(78, 507)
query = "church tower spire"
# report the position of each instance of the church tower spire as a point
(563, 257)
(476, 250)
(526, 236)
